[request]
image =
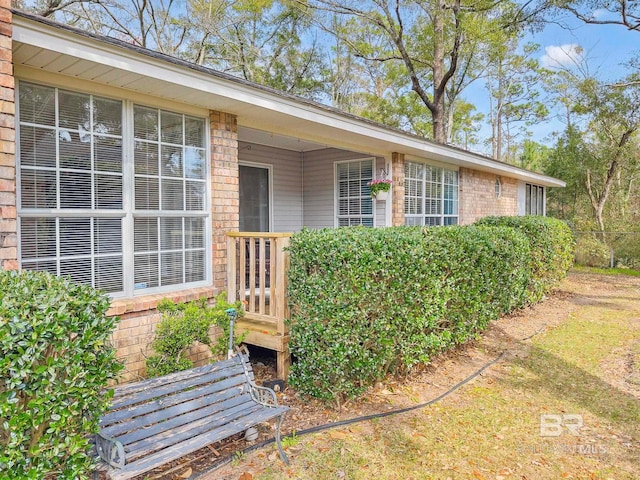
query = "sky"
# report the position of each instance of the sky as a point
(605, 48)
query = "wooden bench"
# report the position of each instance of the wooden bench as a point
(162, 419)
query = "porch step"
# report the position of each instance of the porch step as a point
(262, 333)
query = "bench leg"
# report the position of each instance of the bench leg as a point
(283, 455)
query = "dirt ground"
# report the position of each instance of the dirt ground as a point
(508, 336)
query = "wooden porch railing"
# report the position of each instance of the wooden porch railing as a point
(257, 265)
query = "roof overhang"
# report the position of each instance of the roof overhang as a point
(43, 45)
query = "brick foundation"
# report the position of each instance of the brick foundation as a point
(8, 214)
(478, 196)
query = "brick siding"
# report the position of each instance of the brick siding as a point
(8, 214)
(397, 177)
(478, 196)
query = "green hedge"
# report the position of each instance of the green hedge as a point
(552, 249)
(55, 362)
(367, 302)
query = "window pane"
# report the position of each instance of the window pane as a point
(194, 163)
(171, 161)
(145, 234)
(109, 273)
(108, 191)
(37, 147)
(195, 196)
(75, 236)
(74, 111)
(75, 190)
(38, 189)
(147, 193)
(171, 125)
(194, 233)
(37, 104)
(354, 196)
(172, 195)
(41, 266)
(172, 264)
(146, 271)
(79, 269)
(146, 158)
(540, 200)
(38, 237)
(170, 233)
(194, 266)
(107, 154)
(107, 116)
(107, 235)
(194, 131)
(145, 123)
(75, 150)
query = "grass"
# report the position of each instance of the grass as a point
(491, 429)
(607, 271)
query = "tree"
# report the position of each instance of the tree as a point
(601, 159)
(625, 13)
(428, 38)
(512, 82)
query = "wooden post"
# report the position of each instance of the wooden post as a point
(231, 270)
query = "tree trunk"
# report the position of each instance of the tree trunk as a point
(439, 133)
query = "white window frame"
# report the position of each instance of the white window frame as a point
(541, 196)
(127, 213)
(336, 196)
(423, 198)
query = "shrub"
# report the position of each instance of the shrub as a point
(367, 302)
(55, 362)
(182, 325)
(591, 252)
(552, 249)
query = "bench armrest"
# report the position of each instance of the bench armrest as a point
(110, 450)
(263, 395)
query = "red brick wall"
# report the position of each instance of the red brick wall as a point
(397, 177)
(478, 196)
(8, 222)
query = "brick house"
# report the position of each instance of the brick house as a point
(134, 172)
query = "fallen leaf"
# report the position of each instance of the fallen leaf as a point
(338, 434)
(272, 456)
(246, 476)
(187, 473)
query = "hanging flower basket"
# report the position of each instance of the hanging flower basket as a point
(380, 188)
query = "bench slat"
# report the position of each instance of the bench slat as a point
(161, 388)
(116, 416)
(204, 409)
(172, 453)
(163, 403)
(185, 432)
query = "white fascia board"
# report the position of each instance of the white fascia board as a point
(242, 98)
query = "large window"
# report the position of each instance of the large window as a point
(431, 195)
(534, 199)
(122, 210)
(355, 205)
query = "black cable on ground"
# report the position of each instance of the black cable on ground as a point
(349, 421)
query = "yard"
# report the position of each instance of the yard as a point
(574, 358)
